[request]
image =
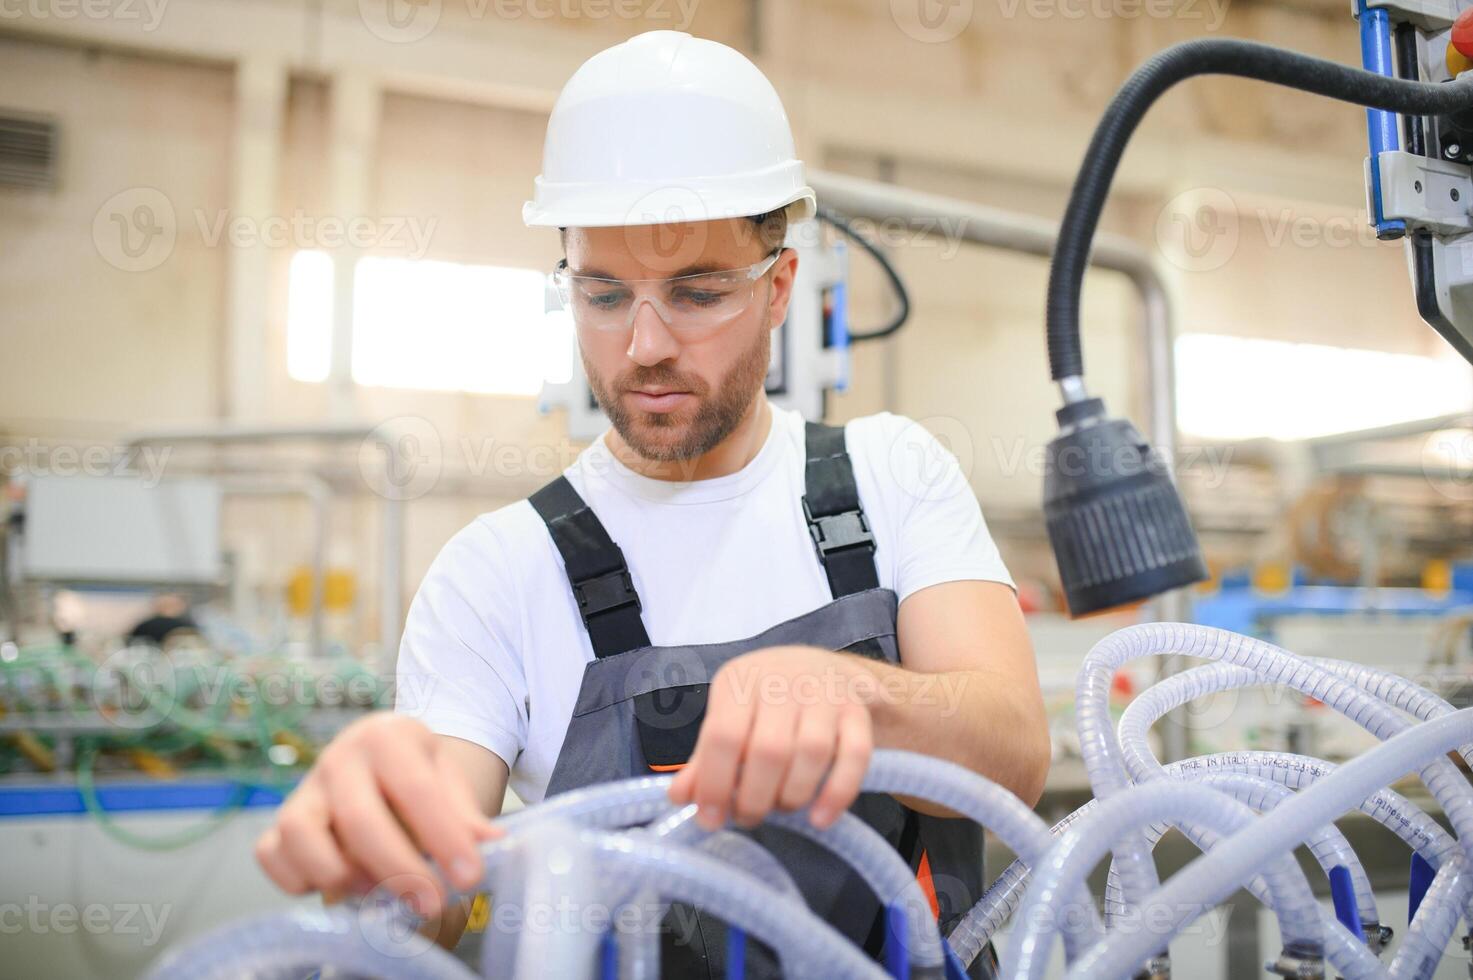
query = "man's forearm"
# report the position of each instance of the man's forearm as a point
(968, 717)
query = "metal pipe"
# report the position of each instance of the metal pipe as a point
(994, 228)
(391, 578)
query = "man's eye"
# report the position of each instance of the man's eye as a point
(699, 297)
(606, 300)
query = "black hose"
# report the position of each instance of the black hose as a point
(1214, 56)
(902, 313)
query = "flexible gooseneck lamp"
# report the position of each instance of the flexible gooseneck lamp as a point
(1117, 524)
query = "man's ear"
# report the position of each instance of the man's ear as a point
(784, 270)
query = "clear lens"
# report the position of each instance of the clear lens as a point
(685, 303)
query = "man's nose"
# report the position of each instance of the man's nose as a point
(651, 341)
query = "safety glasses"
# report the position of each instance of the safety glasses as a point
(689, 305)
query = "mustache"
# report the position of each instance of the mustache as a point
(660, 378)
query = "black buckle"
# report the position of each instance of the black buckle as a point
(838, 532)
(612, 590)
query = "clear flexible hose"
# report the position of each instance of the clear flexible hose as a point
(979, 799)
(1327, 844)
(1390, 809)
(1083, 844)
(805, 944)
(608, 806)
(1396, 692)
(292, 944)
(1435, 922)
(1214, 876)
(638, 863)
(639, 945)
(1387, 807)
(1103, 754)
(859, 846)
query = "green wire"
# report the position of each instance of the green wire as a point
(164, 842)
(182, 729)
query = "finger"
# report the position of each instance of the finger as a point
(718, 754)
(813, 752)
(851, 759)
(765, 762)
(307, 843)
(438, 819)
(274, 862)
(361, 884)
(680, 786)
(373, 839)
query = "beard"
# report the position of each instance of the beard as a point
(689, 433)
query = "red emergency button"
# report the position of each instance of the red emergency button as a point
(1460, 46)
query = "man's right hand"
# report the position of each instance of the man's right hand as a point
(383, 794)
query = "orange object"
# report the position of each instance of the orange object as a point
(923, 878)
(1457, 62)
(675, 768)
(1462, 38)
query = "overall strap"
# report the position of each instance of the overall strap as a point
(596, 570)
(836, 522)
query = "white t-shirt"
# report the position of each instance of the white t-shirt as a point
(494, 649)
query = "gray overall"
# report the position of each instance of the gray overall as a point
(640, 707)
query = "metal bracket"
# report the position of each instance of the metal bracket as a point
(1426, 193)
(1156, 968)
(1378, 937)
(1429, 15)
(1296, 967)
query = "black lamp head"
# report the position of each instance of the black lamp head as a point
(1116, 522)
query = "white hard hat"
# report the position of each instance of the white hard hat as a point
(666, 128)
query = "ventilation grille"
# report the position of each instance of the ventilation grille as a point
(27, 151)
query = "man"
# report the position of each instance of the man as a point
(674, 567)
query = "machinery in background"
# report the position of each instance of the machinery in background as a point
(1419, 182)
(143, 777)
(78, 726)
(810, 350)
(124, 671)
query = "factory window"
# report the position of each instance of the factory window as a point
(309, 316)
(1245, 388)
(441, 326)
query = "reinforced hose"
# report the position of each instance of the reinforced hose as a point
(1435, 922)
(1207, 56)
(359, 942)
(1327, 845)
(1430, 931)
(1083, 844)
(626, 803)
(639, 947)
(806, 945)
(852, 840)
(1212, 877)
(1103, 752)
(980, 799)
(1387, 807)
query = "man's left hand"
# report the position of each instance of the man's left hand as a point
(785, 727)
